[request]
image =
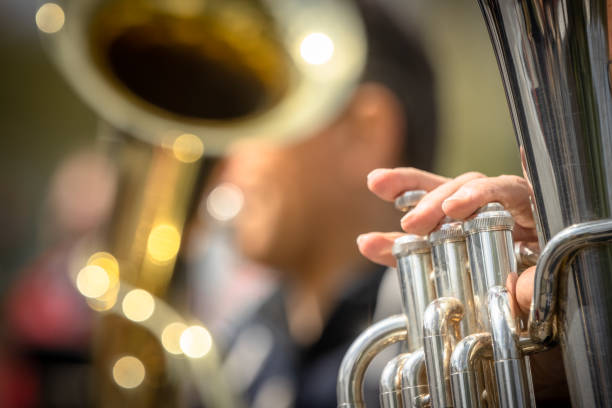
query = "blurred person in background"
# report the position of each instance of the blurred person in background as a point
(305, 203)
(47, 322)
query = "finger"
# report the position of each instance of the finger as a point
(511, 191)
(390, 183)
(376, 246)
(428, 213)
(524, 289)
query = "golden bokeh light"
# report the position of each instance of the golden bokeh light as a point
(50, 18)
(164, 243)
(171, 337)
(138, 305)
(128, 372)
(188, 148)
(107, 262)
(92, 281)
(195, 342)
(317, 48)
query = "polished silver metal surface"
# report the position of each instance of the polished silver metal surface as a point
(491, 254)
(440, 333)
(414, 381)
(526, 255)
(391, 382)
(357, 359)
(557, 253)
(452, 270)
(414, 267)
(510, 370)
(409, 199)
(553, 57)
(464, 367)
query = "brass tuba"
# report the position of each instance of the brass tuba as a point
(174, 81)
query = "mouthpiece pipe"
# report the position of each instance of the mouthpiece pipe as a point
(510, 370)
(463, 368)
(440, 331)
(556, 254)
(349, 389)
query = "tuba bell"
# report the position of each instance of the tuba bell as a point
(175, 82)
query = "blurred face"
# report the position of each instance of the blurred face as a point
(281, 194)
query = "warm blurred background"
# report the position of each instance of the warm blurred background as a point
(49, 156)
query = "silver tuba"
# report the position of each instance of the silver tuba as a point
(553, 57)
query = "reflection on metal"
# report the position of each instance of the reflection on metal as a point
(357, 359)
(553, 57)
(555, 257)
(465, 367)
(440, 332)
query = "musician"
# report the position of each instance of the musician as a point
(304, 205)
(459, 198)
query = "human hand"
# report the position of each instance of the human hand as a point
(456, 198)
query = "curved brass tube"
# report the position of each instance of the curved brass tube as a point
(440, 331)
(463, 369)
(414, 381)
(510, 370)
(390, 382)
(557, 253)
(357, 359)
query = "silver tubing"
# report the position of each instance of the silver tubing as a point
(464, 367)
(414, 268)
(492, 259)
(390, 382)
(491, 253)
(414, 381)
(357, 359)
(558, 253)
(510, 371)
(440, 331)
(553, 58)
(452, 270)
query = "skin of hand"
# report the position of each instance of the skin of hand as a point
(459, 198)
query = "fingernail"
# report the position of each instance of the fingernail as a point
(360, 238)
(461, 194)
(407, 219)
(376, 172)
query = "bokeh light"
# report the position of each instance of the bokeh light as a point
(164, 243)
(188, 148)
(138, 305)
(171, 337)
(128, 372)
(92, 281)
(195, 342)
(317, 48)
(50, 18)
(225, 202)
